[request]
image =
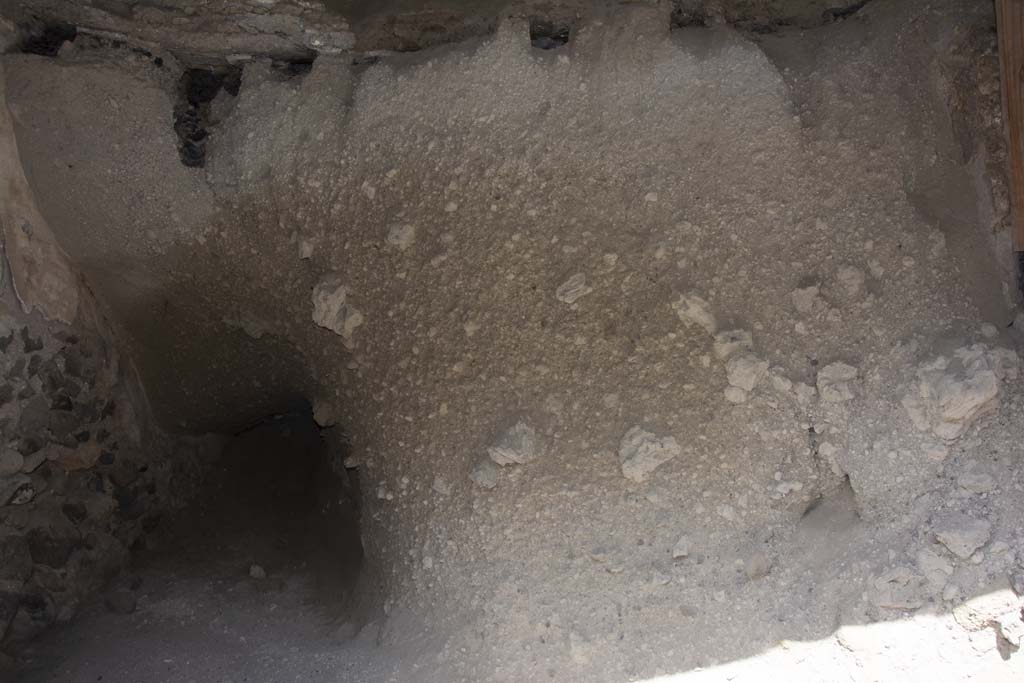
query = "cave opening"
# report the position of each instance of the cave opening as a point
(268, 551)
(272, 505)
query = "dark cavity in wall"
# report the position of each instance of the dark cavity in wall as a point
(687, 18)
(844, 11)
(548, 35)
(47, 39)
(1020, 271)
(275, 505)
(361, 63)
(297, 68)
(197, 90)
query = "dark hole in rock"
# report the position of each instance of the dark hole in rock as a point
(17, 369)
(365, 60)
(62, 402)
(75, 512)
(292, 69)
(201, 85)
(548, 35)
(34, 614)
(843, 12)
(275, 521)
(688, 18)
(764, 29)
(47, 39)
(1020, 271)
(197, 90)
(30, 343)
(51, 546)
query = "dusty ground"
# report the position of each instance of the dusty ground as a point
(654, 352)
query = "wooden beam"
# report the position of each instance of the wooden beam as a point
(1010, 19)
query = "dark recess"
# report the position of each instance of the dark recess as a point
(363, 62)
(839, 13)
(1020, 271)
(687, 18)
(547, 35)
(197, 89)
(47, 39)
(293, 69)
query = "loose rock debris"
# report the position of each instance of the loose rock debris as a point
(641, 452)
(573, 289)
(517, 446)
(332, 310)
(694, 310)
(953, 392)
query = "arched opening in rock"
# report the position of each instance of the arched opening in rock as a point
(269, 553)
(272, 506)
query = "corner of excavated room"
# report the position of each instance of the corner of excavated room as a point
(453, 341)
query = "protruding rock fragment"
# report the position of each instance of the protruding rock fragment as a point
(441, 486)
(805, 298)
(693, 310)
(641, 452)
(732, 342)
(987, 607)
(573, 289)
(851, 280)
(517, 446)
(332, 310)
(401, 236)
(324, 412)
(250, 324)
(745, 371)
(757, 566)
(935, 568)
(1011, 626)
(682, 548)
(898, 588)
(307, 246)
(485, 474)
(976, 482)
(952, 394)
(835, 382)
(16, 489)
(961, 534)
(735, 395)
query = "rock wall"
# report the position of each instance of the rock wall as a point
(84, 475)
(604, 324)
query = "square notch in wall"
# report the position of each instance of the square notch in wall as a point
(546, 34)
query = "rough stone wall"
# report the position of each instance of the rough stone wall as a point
(210, 32)
(84, 475)
(204, 31)
(976, 112)
(601, 322)
(83, 478)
